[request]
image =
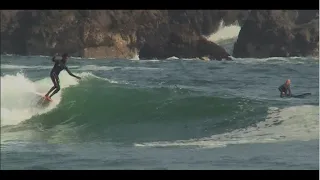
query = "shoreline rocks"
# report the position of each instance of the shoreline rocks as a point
(115, 33)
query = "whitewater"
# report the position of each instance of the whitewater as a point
(161, 114)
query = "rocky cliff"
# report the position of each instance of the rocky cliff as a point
(279, 33)
(115, 33)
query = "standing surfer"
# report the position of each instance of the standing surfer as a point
(59, 65)
(285, 89)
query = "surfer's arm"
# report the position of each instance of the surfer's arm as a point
(70, 73)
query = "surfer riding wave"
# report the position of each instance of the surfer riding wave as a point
(59, 65)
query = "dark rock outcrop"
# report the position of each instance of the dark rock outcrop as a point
(115, 33)
(183, 45)
(279, 33)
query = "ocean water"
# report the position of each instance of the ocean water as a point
(169, 114)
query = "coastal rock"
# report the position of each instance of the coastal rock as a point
(279, 33)
(115, 33)
(182, 44)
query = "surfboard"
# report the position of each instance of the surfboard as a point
(42, 99)
(301, 95)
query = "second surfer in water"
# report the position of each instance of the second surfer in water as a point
(59, 65)
(285, 89)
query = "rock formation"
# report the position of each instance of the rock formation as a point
(115, 33)
(279, 33)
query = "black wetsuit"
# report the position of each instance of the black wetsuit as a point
(284, 89)
(54, 74)
(59, 65)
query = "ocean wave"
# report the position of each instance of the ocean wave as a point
(287, 124)
(18, 98)
(154, 115)
(95, 106)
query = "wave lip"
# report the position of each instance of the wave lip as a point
(18, 98)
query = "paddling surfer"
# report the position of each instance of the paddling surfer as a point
(285, 89)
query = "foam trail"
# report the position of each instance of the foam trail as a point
(294, 123)
(18, 101)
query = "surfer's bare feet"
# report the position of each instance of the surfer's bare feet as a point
(48, 98)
